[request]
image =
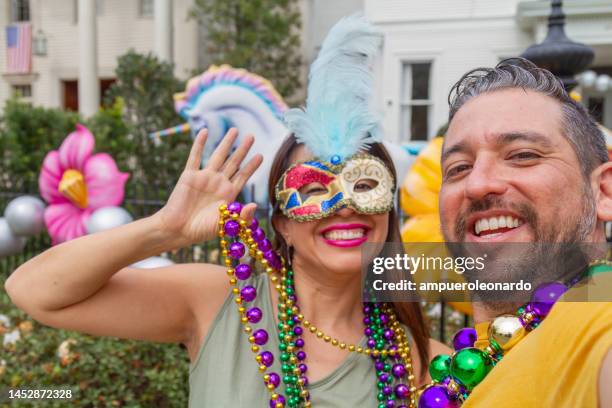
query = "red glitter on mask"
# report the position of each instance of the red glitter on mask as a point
(306, 210)
(301, 175)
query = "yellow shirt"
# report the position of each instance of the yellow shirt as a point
(557, 364)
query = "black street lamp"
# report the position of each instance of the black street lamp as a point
(557, 53)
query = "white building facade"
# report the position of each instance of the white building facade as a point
(121, 25)
(430, 44)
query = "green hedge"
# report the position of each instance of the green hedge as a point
(138, 103)
(100, 371)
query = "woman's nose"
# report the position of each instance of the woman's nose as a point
(345, 211)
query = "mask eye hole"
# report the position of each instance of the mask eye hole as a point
(312, 189)
(365, 185)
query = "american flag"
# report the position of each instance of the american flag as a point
(18, 48)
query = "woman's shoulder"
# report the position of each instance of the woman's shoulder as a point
(436, 347)
(208, 283)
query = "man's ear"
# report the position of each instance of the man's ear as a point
(602, 184)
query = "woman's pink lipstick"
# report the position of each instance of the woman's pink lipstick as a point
(346, 243)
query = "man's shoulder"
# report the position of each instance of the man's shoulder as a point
(586, 312)
(587, 306)
(596, 291)
(563, 354)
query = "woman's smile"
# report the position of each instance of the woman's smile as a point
(345, 235)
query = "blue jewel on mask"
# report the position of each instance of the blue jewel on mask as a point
(293, 201)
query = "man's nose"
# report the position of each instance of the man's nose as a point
(484, 179)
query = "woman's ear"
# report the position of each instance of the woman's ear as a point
(280, 225)
(602, 183)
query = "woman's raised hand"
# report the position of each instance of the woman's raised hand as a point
(192, 211)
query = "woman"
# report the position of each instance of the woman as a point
(87, 284)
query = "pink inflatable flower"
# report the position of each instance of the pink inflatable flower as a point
(75, 183)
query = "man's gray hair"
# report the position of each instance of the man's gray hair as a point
(578, 126)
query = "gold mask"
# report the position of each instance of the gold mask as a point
(316, 189)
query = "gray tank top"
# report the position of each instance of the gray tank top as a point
(225, 373)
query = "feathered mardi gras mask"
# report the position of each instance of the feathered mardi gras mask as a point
(336, 126)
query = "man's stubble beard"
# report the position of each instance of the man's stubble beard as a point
(559, 251)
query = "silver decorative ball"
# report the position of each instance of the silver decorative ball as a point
(25, 215)
(153, 262)
(10, 243)
(602, 83)
(106, 218)
(587, 79)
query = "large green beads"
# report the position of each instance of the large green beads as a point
(439, 368)
(470, 366)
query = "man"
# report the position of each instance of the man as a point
(519, 148)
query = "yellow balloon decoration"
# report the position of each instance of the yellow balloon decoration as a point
(419, 195)
(419, 199)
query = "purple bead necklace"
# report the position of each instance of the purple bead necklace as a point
(387, 343)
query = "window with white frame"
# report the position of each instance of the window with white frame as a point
(22, 91)
(415, 100)
(146, 8)
(20, 10)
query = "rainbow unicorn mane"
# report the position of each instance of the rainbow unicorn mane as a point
(227, 75)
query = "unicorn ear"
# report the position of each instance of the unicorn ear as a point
(337, 121)
(186, 112)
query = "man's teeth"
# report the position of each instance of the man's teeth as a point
(337, 235)
(495, 223)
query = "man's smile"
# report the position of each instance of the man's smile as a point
(493, 225)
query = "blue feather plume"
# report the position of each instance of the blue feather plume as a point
(337, 120)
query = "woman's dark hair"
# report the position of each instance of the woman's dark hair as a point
(410, 314)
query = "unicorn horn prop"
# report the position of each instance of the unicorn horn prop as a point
(184, 128)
